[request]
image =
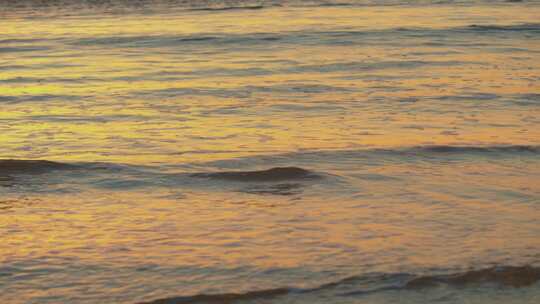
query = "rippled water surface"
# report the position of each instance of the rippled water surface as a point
(269, 152)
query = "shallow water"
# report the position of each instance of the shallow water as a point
(270, 152)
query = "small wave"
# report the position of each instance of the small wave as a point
(65, 7)
(469, 97)
(379, 156)
(477, 149)
(36, 98)
(270, 175)
(224, 298)
(22, 49)
(21, 40)
(336, 4)
(33, 80)
(218, 40)
(526, 27)
(6, 182)
(228, 8)
(118, 40)
(244, 92)
(504, 276)
(278, 189)
(202, 38)
(15, 166)
(427, 150)
(509, 276)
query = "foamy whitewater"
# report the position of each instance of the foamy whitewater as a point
(176, 151)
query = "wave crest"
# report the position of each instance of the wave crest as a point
(270, 175)
(509, 276)
(17, 166)
(223, 298)
(504, 276)
(525, 27)
(477, 149)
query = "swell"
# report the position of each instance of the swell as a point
(22, 166)
(229, 8)
(269, 175)
(110, 176)
(10, 167)
(213, 41)
(219, 5)
(502, 276)
(437, 149)
(509, 276)
(281, 176)
(305, 37)
(525, 27)
(224, 298)
(380, 156)
(16, 166)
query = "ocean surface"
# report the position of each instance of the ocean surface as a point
(269, 151)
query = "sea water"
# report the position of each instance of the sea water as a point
(269, 151)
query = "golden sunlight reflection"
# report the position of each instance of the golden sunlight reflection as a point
(337, 151)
